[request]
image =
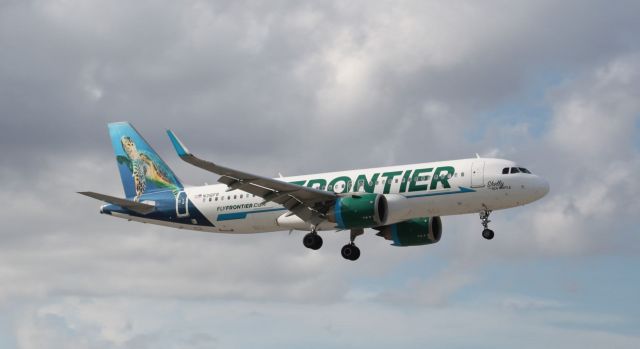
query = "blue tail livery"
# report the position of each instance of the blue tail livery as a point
(141, 169)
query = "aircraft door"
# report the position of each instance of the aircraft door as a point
(182, 205)
(477, 174)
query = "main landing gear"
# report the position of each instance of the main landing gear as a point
(350, 251)
(312, 240)
(484, 217)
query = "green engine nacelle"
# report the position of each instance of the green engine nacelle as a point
(414, 232)
(359, 211)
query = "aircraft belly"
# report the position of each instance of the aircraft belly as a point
(446, 205)
(249, 221)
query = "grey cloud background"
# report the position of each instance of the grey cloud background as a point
(302, 87)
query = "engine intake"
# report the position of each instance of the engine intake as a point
(359, 211)
(413, 232)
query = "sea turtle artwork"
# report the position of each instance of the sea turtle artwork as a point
(145, 168)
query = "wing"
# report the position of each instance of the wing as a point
(309, 204)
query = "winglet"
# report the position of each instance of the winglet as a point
(177, 144)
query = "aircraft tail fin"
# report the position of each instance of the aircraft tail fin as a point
(141, 169)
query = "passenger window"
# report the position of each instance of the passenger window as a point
(216, 198)
(505, 170)
(240, 196)
(209, 199)
(396, 180)
(461, 174)
(515, 170)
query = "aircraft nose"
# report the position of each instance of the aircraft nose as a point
(542, 187)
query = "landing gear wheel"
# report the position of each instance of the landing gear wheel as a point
(487, 234)
(484, 217)
(312, 241)
(350, 252)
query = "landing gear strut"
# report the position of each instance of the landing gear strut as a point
(350, 251)
(312, 240)
(484, 217)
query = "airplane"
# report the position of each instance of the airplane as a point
(402, 203)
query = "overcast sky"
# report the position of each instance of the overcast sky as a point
(301, 87)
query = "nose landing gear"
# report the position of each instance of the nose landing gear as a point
(484, 217)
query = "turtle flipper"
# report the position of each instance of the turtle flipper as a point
(139, 178)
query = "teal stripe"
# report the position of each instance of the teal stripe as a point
(337, 207)
(394, 235)
(338, 210)
(243, 215)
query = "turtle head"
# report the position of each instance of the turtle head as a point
(128, 146)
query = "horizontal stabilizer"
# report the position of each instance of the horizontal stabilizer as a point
(124, 203)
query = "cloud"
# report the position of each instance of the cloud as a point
(149, 323)
(434, 291)
(298, 88)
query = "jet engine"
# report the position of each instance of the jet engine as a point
(359, 211)
(413, 232)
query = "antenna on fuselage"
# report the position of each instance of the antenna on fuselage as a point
(477, 156)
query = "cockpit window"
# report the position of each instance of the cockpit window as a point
(508, 170)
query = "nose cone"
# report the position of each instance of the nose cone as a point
(541, 187)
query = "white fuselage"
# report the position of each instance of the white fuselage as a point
(475, 185)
